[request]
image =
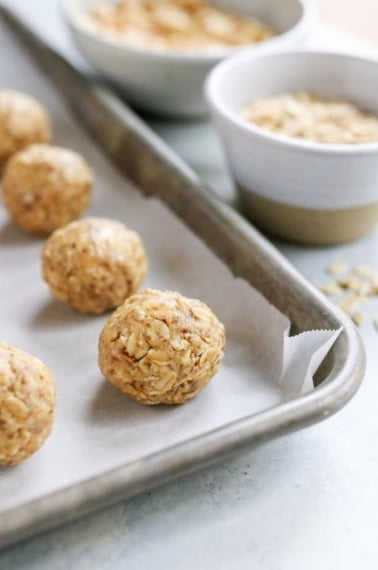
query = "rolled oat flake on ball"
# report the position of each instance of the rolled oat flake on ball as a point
(27, 404)
(161, 348)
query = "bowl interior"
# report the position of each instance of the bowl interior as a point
(248, 77)
(282, 15)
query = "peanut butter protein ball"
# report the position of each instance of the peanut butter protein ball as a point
(161, 348)
(46, 187)
(27, 404)
(23, 121)
(94, 264)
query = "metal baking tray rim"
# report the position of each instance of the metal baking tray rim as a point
(63, 506)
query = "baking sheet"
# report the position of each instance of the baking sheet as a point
(97, 429)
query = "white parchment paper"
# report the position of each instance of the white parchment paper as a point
(97, 428)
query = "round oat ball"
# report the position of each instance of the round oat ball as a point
(23, 121)
(46, 187)
(27, 404)
(94, 264)
(161, 348)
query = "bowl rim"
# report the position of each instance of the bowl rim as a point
(211, 89)
(305, 23)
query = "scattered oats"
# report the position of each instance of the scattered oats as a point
(337, 267)
(358, 318)
(350, 302)
(350, 282)
(330, 288)
(358, 285)
(364, 271)
(374, 287)
(365, 290)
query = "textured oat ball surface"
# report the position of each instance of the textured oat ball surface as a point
(27, 404)
(23, 121)
(46, 187)
(94, 264)
(161, 348)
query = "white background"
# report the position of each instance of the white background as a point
(306, 502)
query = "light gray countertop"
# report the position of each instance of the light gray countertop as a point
(307, 501)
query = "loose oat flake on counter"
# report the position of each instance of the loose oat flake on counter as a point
(308, 116)
(351, 288)
(174, 25)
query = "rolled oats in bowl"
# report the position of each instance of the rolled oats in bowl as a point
(308, 116)
(159, 52)
(300, 133)
(174, 25)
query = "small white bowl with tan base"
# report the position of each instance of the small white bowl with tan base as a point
(172, 83)
(308, 192)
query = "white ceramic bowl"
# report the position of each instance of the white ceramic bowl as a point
(298, 190)
(172, 84)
